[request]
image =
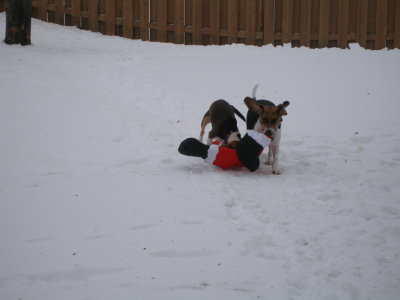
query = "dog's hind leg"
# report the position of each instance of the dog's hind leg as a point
(206, 120)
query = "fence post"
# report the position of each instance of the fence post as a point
(18, 22)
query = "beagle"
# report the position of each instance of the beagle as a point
(265, 117)
(221, 115)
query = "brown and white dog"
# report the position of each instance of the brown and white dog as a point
(221, 115)
(265, 117)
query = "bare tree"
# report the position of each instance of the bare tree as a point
(18, 22)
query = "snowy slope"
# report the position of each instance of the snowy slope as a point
(96, 203)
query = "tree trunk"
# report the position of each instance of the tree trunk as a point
(18, 22)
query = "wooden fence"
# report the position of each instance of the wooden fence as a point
(374, 24)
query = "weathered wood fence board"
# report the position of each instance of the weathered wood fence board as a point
(374, 24)
(397, 27)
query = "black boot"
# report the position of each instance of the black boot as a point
(193, 147)
(248, 151)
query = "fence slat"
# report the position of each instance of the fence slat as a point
(153, 9)
(197, 22)
(206, 22)
(269, 12)
(127, 16)
(110, 13)
(324, 23)
(362, 22)
(59, 13)
(215, 11)
(161, 20)
(223, 22)
(305, 23)
(144, 20)
(232, 21)
(343, 23)
(76, 12)
(188, 15)
(250, 34)
(93, 15)
(179, 21)
(287, 21)
(397, 26)
(42, 10)
(381, 24)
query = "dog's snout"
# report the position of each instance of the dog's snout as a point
(268, 132)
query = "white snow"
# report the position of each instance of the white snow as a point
(96, 202)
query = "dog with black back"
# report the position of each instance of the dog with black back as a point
(221, 115)
(266, 117)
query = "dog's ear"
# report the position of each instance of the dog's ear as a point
(253, 105)
(281, 108)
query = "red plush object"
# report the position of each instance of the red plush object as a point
(227, 158)
(246, 153)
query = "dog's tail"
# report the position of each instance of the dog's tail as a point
(253, 93)
(238, 113)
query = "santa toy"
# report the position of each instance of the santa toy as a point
(246, 153)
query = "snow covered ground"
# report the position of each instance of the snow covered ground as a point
(96, 202)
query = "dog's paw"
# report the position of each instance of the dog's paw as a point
(276, 170)
(268, 162)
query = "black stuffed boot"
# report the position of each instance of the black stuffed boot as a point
(193, 147)
(250, 147)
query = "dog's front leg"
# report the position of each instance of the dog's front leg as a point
(275, 163)
(275, 152)
(269, 157)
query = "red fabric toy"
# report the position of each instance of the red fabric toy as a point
(246, 153)
(223, 157)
